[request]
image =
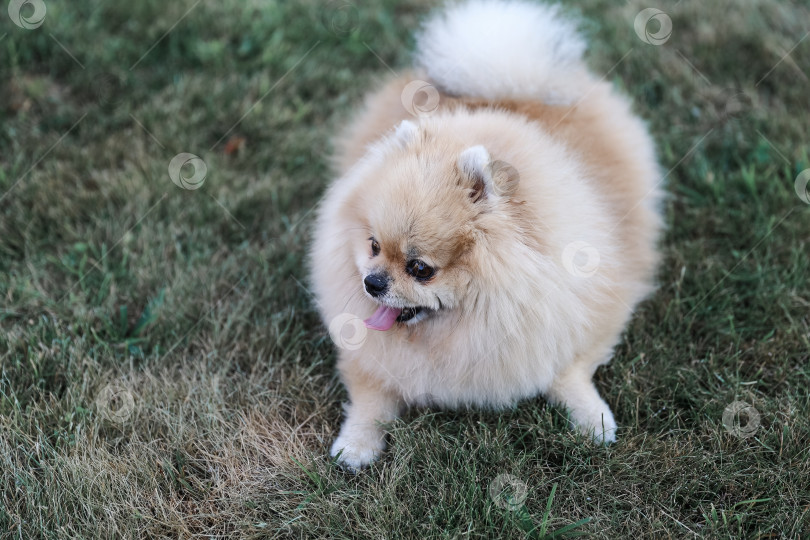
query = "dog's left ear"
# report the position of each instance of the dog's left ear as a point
(487, 179)
(405, 133)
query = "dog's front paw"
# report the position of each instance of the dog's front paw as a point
(355, 451)
(600, 425)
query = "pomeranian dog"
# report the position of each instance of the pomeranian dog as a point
(492, 228)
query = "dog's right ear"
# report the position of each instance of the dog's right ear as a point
(487, 179)
(405, 133)
(473, 165)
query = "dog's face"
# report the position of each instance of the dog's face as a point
(413, 257)
(418, 211)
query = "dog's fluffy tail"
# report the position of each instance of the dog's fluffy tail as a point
(503, 49)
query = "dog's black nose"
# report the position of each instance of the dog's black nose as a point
(376, 284)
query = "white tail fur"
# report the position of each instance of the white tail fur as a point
(503, 49)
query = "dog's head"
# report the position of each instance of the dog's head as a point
(419, 210)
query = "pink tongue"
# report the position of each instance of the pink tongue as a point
(383, 319)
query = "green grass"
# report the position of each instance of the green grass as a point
(163, 371)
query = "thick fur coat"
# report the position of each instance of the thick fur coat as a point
(509, 207)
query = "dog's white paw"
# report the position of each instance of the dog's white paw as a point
(605, 433)
(356, 451)
(600, 425)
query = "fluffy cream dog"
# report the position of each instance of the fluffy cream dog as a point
(494, 222)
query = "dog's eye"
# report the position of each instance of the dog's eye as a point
(419, 269)
(375, 247)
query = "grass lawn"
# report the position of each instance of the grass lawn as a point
(163, 371)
